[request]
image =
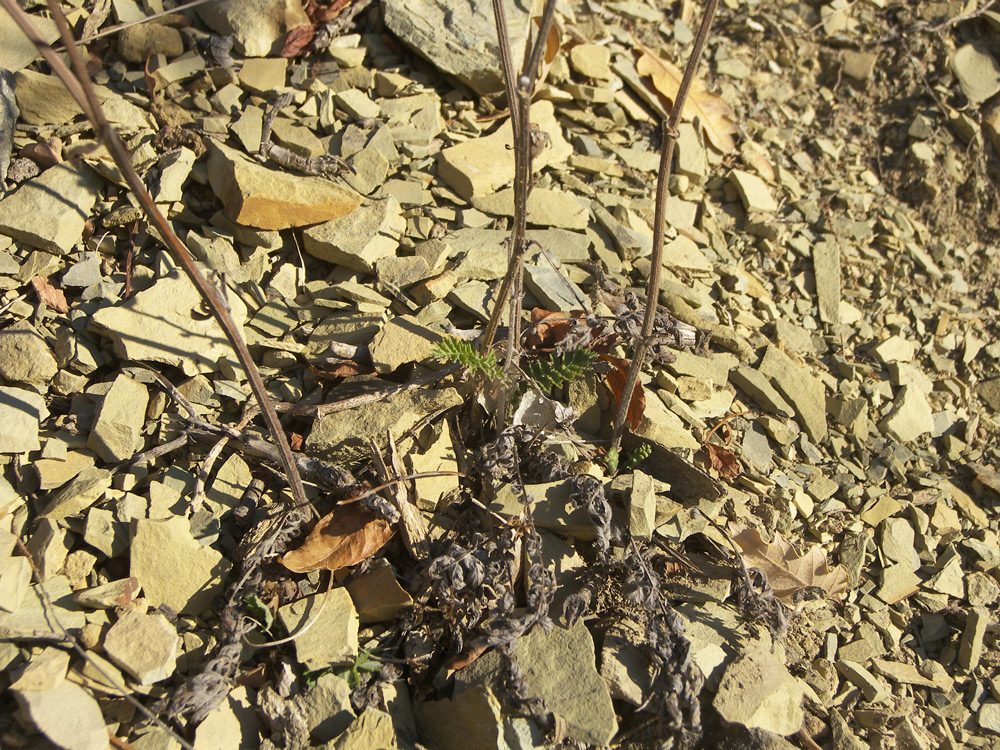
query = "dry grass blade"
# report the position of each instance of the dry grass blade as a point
(787, 571)
(340, 539)
(715, 114)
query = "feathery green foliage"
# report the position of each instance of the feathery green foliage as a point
(459, 350)
(558, 369)
(632, 458)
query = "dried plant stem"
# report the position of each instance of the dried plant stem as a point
(519, 92)
(659, 223)
(79, 85)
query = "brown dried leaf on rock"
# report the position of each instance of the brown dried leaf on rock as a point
(723, 460)
(616, 383)
(53, 298)
(788, 572)
(713, 111)
(297, 40)
(340, 539)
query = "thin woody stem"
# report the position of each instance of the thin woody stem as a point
(82, 90)
(659, 224)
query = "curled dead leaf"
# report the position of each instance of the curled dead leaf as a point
(616, 383)
(340, 539)
(787, 571)
(723, 460)
(713, 111)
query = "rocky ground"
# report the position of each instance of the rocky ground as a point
(800, 545)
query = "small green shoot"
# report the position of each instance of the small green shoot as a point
(633, 458)
(558, 369)
(459, 350)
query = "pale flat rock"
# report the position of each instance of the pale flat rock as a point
(480, 166)
(754, 192)
(438, 455)
(233, 725)
(351, 429)
(15, 580)
(143, 645)
(682, 252)
(714, 368)
(898, 582)
(472, 720)
(898, 542)
(64, 195)
(459, 39)
(326, 707)
(373, 729)
(257, 196)
(43, 100)
(24, 355)
(949, 580)
(258, 26)
(552, 289)
(642, 507)
(85, 489)
(377, 595)
(895, 349)
(559, 667)
(826, 267)
(21, 412)
(908, 674)
(118, 593)
(16, 50)
(977, 71)
(173, 568)
(546, 207)
(625, 667)
(756, 385)
(758, 691)
(115, 434)
(137, 43)
(550, 508)
(873, 689)
(591, 60)
(989, 716)
(970, 648)
(333, 638)
(67, 715)
(163, 324)
(804, 392)
(662, 426)
(33, 616)
(401, 341)
(262, 75)
(360, 238)
(910, 416)
(229, 485)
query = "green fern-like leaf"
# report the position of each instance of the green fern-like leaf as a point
(461, 351)
(558, 369)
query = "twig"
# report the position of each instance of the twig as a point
(670, 135)
(722, 422)
(152, 17)
(301, 631)
(82, 91)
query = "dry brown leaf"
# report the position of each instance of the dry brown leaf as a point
(297, 40)
(340, 539)
(616, 383)
(723, 460)
(713, 111)
(788, 572)
(53, 298)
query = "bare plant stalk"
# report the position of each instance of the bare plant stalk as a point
(519, 93)
(670, 135)
(78, 84)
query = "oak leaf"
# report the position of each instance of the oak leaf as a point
(340, 539)
(713, 111)
(787, 571)
(723, 460)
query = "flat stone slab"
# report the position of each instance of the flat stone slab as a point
(805, 393)
(333, 637)
(164, 324)
(115, 434)
(173, 568)
(258, 196)
(24, 355)
(64, 195)
(143, 645)
(459, 38)
(21, 412)
(360, 238)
